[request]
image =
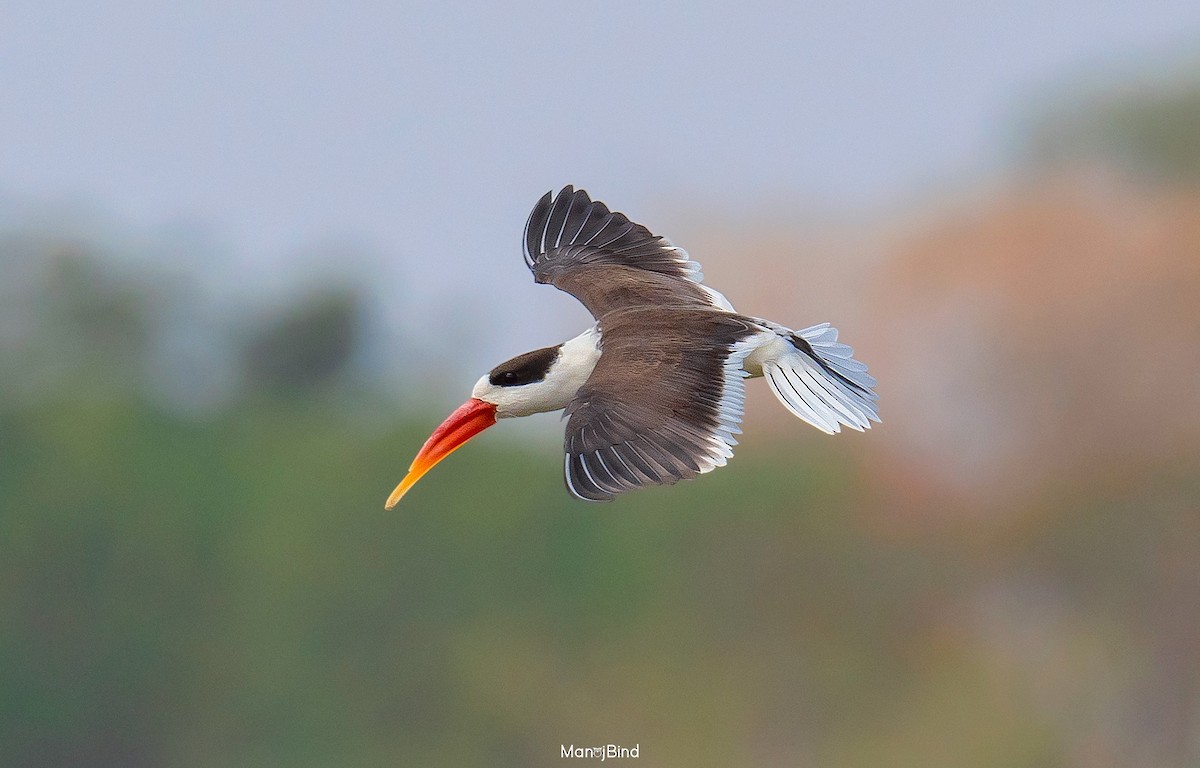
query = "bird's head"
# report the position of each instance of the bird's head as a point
(536, 382)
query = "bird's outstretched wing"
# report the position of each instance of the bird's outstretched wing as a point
(607, 261)
(656, 410)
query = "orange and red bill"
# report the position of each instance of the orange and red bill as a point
(468, 420)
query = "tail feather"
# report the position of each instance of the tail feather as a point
(818, 380)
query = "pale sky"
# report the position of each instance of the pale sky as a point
(424, 133)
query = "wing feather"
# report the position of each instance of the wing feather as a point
(662, 408)
(608, 261)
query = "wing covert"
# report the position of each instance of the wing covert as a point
(658, 409)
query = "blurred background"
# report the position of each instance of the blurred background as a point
(251, 255)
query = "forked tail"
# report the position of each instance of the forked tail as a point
(818, 379)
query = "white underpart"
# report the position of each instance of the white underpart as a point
(576, 359)
(808, 390)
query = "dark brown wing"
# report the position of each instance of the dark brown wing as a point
(607, 261)
(659, 407)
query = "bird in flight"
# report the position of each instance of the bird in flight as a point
(654, 391)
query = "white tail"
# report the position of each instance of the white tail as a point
(818, 379)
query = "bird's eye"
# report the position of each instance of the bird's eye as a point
(510, 376)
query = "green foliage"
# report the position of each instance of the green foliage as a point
(226, 588)
(307, 345)
(1149, 131)
(232, 592)
(67, 317)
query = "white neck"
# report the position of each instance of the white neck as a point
(576, 359)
